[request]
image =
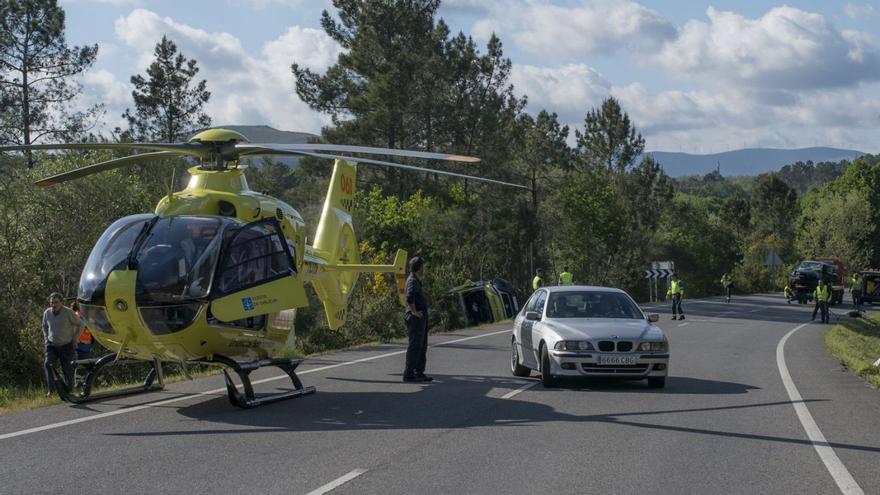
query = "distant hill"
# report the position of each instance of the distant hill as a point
(749, 161)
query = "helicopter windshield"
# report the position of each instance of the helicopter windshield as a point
(176, 260)
(110, 253)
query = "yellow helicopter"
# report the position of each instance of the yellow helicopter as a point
(215, 274)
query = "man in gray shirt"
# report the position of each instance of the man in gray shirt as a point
(61, 330)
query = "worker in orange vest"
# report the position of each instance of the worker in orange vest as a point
(86, 341)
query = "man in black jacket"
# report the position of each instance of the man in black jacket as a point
(416, 317)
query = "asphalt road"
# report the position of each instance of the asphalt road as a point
(725, 423)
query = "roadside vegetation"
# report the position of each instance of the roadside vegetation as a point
(856, 343)
(596, 203)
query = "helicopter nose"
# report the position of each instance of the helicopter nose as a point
(121, 307)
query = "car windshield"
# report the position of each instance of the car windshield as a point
(177, 259)
(812, 266)
(592, 304)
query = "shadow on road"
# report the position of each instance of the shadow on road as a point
(456, 402)
(674, 385)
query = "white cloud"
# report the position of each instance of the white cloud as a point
(788, 78)
(119, 3)
(704, 121)
(708, 120)
(483, 29)
(569, 90)
(245, 89)
(467, 7)
(785, 48)
(569, 33)
(271, 4)
(854, 11)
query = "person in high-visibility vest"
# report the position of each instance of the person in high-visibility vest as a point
(727, 284)
(789, 294)
(565, 278)
(538, 281)
(822, 281)
(856, 290)
(676, 290)
(823, 296)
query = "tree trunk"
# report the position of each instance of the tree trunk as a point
(25, 95)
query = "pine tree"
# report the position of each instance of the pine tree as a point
(168, 106)
(609, 139)
(37, 71)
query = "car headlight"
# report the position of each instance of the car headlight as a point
(573, 345)
(654, 346)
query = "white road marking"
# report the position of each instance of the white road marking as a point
(757, 310)
(684, 324)
(160, 403)
(838, 471)
(329, 487)
(513, 393)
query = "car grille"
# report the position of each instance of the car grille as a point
(618, 369)
(609, 346)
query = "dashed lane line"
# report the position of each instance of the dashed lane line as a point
(161, 403)
(329, 487)
(684, 324)
(845, 482)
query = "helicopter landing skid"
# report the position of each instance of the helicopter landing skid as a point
(243, 370)
(91, 367)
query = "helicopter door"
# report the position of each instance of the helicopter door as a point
(256, 274)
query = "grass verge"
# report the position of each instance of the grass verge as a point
(856, 343)
(17, 399)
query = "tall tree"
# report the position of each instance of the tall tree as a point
(371, 92)
(37, 74)
(539, 158)
(773, 209)
(168, 102)
(404, 83)
(609, 139)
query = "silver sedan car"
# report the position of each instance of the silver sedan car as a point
(574, 331)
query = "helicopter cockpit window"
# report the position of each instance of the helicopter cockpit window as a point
(255, 254)
(110, 253)
(176, 260)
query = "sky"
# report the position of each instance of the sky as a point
(694, 77)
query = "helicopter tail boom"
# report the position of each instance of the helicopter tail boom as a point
(334, 260)
(335, 244)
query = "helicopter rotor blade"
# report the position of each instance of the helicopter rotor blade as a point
(103, 166)
(190, 149)
(258, 150)
(367, 150)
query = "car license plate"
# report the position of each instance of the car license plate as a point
(617, 360)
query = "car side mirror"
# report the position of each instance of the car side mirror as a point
(653, 317)
(532, 316)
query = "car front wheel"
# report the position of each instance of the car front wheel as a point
(516, 368)
(547, 379)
